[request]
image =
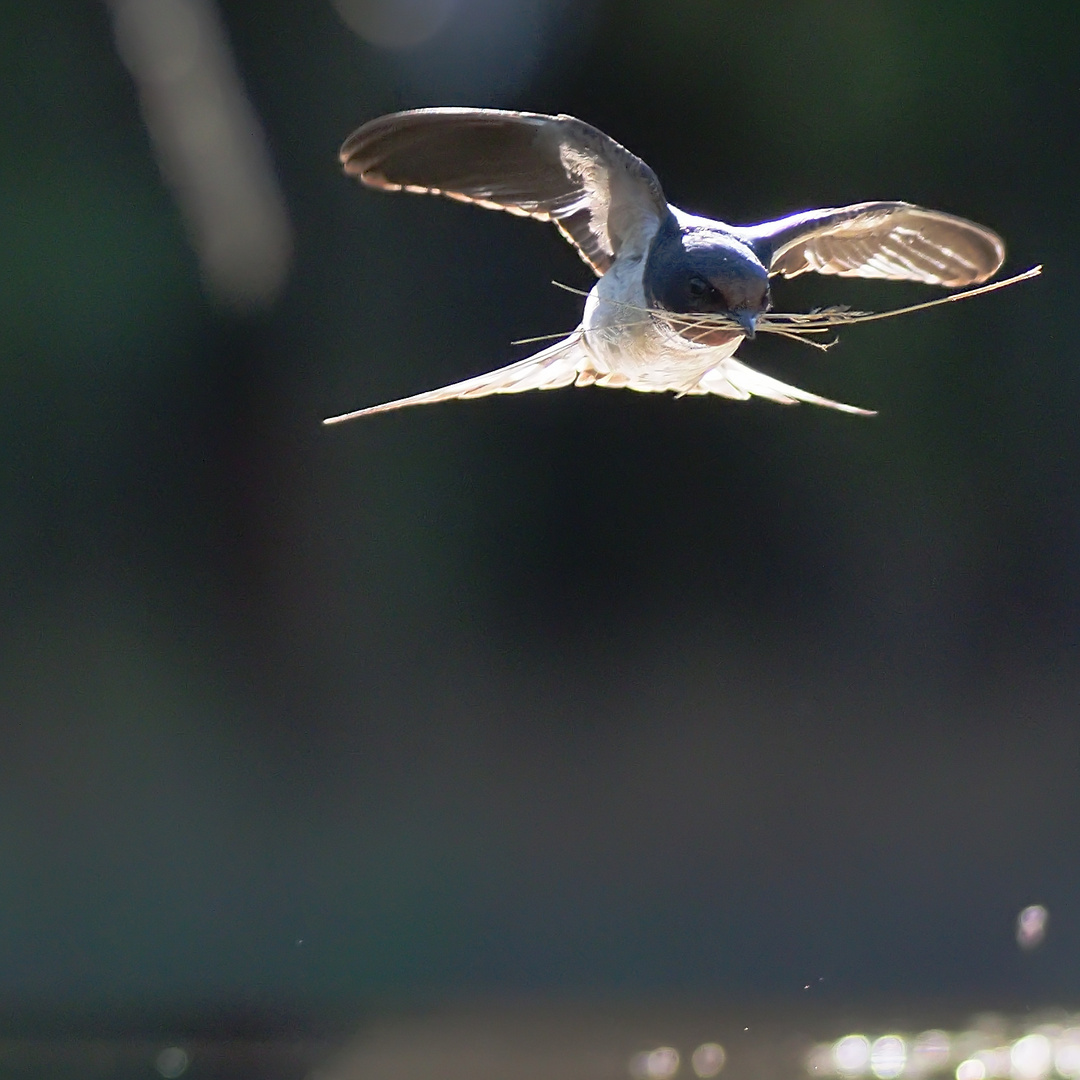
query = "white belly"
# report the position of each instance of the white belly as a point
(629, 348)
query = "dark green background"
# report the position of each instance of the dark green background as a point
(576, 692)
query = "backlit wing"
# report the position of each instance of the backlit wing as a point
(892, 240)
(558, 365)
(553, 168)
(733, 379)
(569, 362)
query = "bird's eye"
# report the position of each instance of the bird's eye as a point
(698, 287)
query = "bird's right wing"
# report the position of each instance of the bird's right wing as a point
(554, 168)
(553, 367)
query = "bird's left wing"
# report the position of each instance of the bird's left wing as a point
(733, 379)
(892, 240)
(554, 168)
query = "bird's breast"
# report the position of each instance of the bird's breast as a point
(638, 346)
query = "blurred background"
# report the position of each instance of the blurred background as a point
(580, 697)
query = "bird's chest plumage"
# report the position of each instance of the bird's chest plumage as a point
(625, 338)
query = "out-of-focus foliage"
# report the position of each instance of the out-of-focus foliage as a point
(571, 690)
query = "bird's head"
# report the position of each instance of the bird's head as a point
(696, 270)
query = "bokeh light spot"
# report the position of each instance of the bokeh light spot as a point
(396, 24)
(852, 1055)
(659, 1064)
(1031, 926)
(997, 1062)
(171, 1062)
(1031, 1057)
(929, 1052)
(888, 1056)
(1067, 1058)
(708, 1059)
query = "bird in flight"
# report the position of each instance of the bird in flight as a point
(677, 293)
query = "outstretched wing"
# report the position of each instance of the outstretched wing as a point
(568, 362)
(733, 379)
(558, 365)
(553, 168)
(892, 240)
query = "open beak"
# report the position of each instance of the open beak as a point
(747, 321)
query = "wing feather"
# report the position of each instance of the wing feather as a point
(559, 365)
(733, 379)
(892, 240)
(552, 168)
(568, 361)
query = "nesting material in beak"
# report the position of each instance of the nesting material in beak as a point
(747, 321)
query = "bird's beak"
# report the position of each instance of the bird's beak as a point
(747, 320)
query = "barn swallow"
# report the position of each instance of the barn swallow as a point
(660, 269)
